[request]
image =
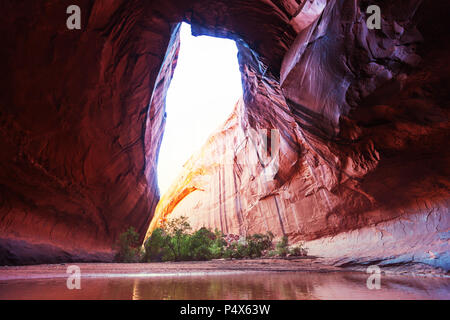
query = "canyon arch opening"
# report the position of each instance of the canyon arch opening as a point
(203, 92)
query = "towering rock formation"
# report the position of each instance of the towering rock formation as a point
(360, 171)
(355, 120)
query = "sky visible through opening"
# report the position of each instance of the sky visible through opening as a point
(204, 90)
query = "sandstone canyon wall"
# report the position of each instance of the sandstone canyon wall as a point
(361, 166)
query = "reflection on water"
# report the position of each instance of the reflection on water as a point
(286, 285)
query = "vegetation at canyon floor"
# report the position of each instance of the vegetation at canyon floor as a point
(175, 241)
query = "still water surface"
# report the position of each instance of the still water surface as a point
(260, 285)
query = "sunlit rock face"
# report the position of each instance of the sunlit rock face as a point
(362, 119)
(360, 122)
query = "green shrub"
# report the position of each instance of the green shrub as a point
(217, 250)
(128, 246)
(229, 252)
(282, 247)
(241, 251)
(176, 242)
(253, 246)
(177, 226)
(155, 246)
(272, 253)
(198, 245)
(173, 242)
(298, 250)
(218, 245)
(257, 244)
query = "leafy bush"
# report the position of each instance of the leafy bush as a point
(241, 251)
(177, 226)
(155, 246)
(253, 246)
(257, 244)
(229, 252)
(298, 250)
(218, 245)
(128, 246)
(282, 247)
(199, 245)
(272, 253)
(174, 242)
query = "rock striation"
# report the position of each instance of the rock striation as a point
(361, 174)
(339, 140)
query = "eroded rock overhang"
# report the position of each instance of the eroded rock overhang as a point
(362, 117)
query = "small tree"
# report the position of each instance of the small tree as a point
(198, 245)
(257, 244)
(128, 246)
(155, 246)
(298, 250)
(176, 230)
(174, 242)
(176, 226)
(217, 248)
(282, 247)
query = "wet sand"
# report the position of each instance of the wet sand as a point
(162, 268)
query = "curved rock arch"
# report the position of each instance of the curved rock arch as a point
(361, 114)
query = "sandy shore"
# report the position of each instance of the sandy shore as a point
(303, 264)
(168, 268)
(300, 278)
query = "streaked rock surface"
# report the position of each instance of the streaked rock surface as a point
(362, 120)
(362, 172)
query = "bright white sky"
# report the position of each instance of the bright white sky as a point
(205, 87)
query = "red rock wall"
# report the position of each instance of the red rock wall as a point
(82, 113)
(362, 117)
(75, 167)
